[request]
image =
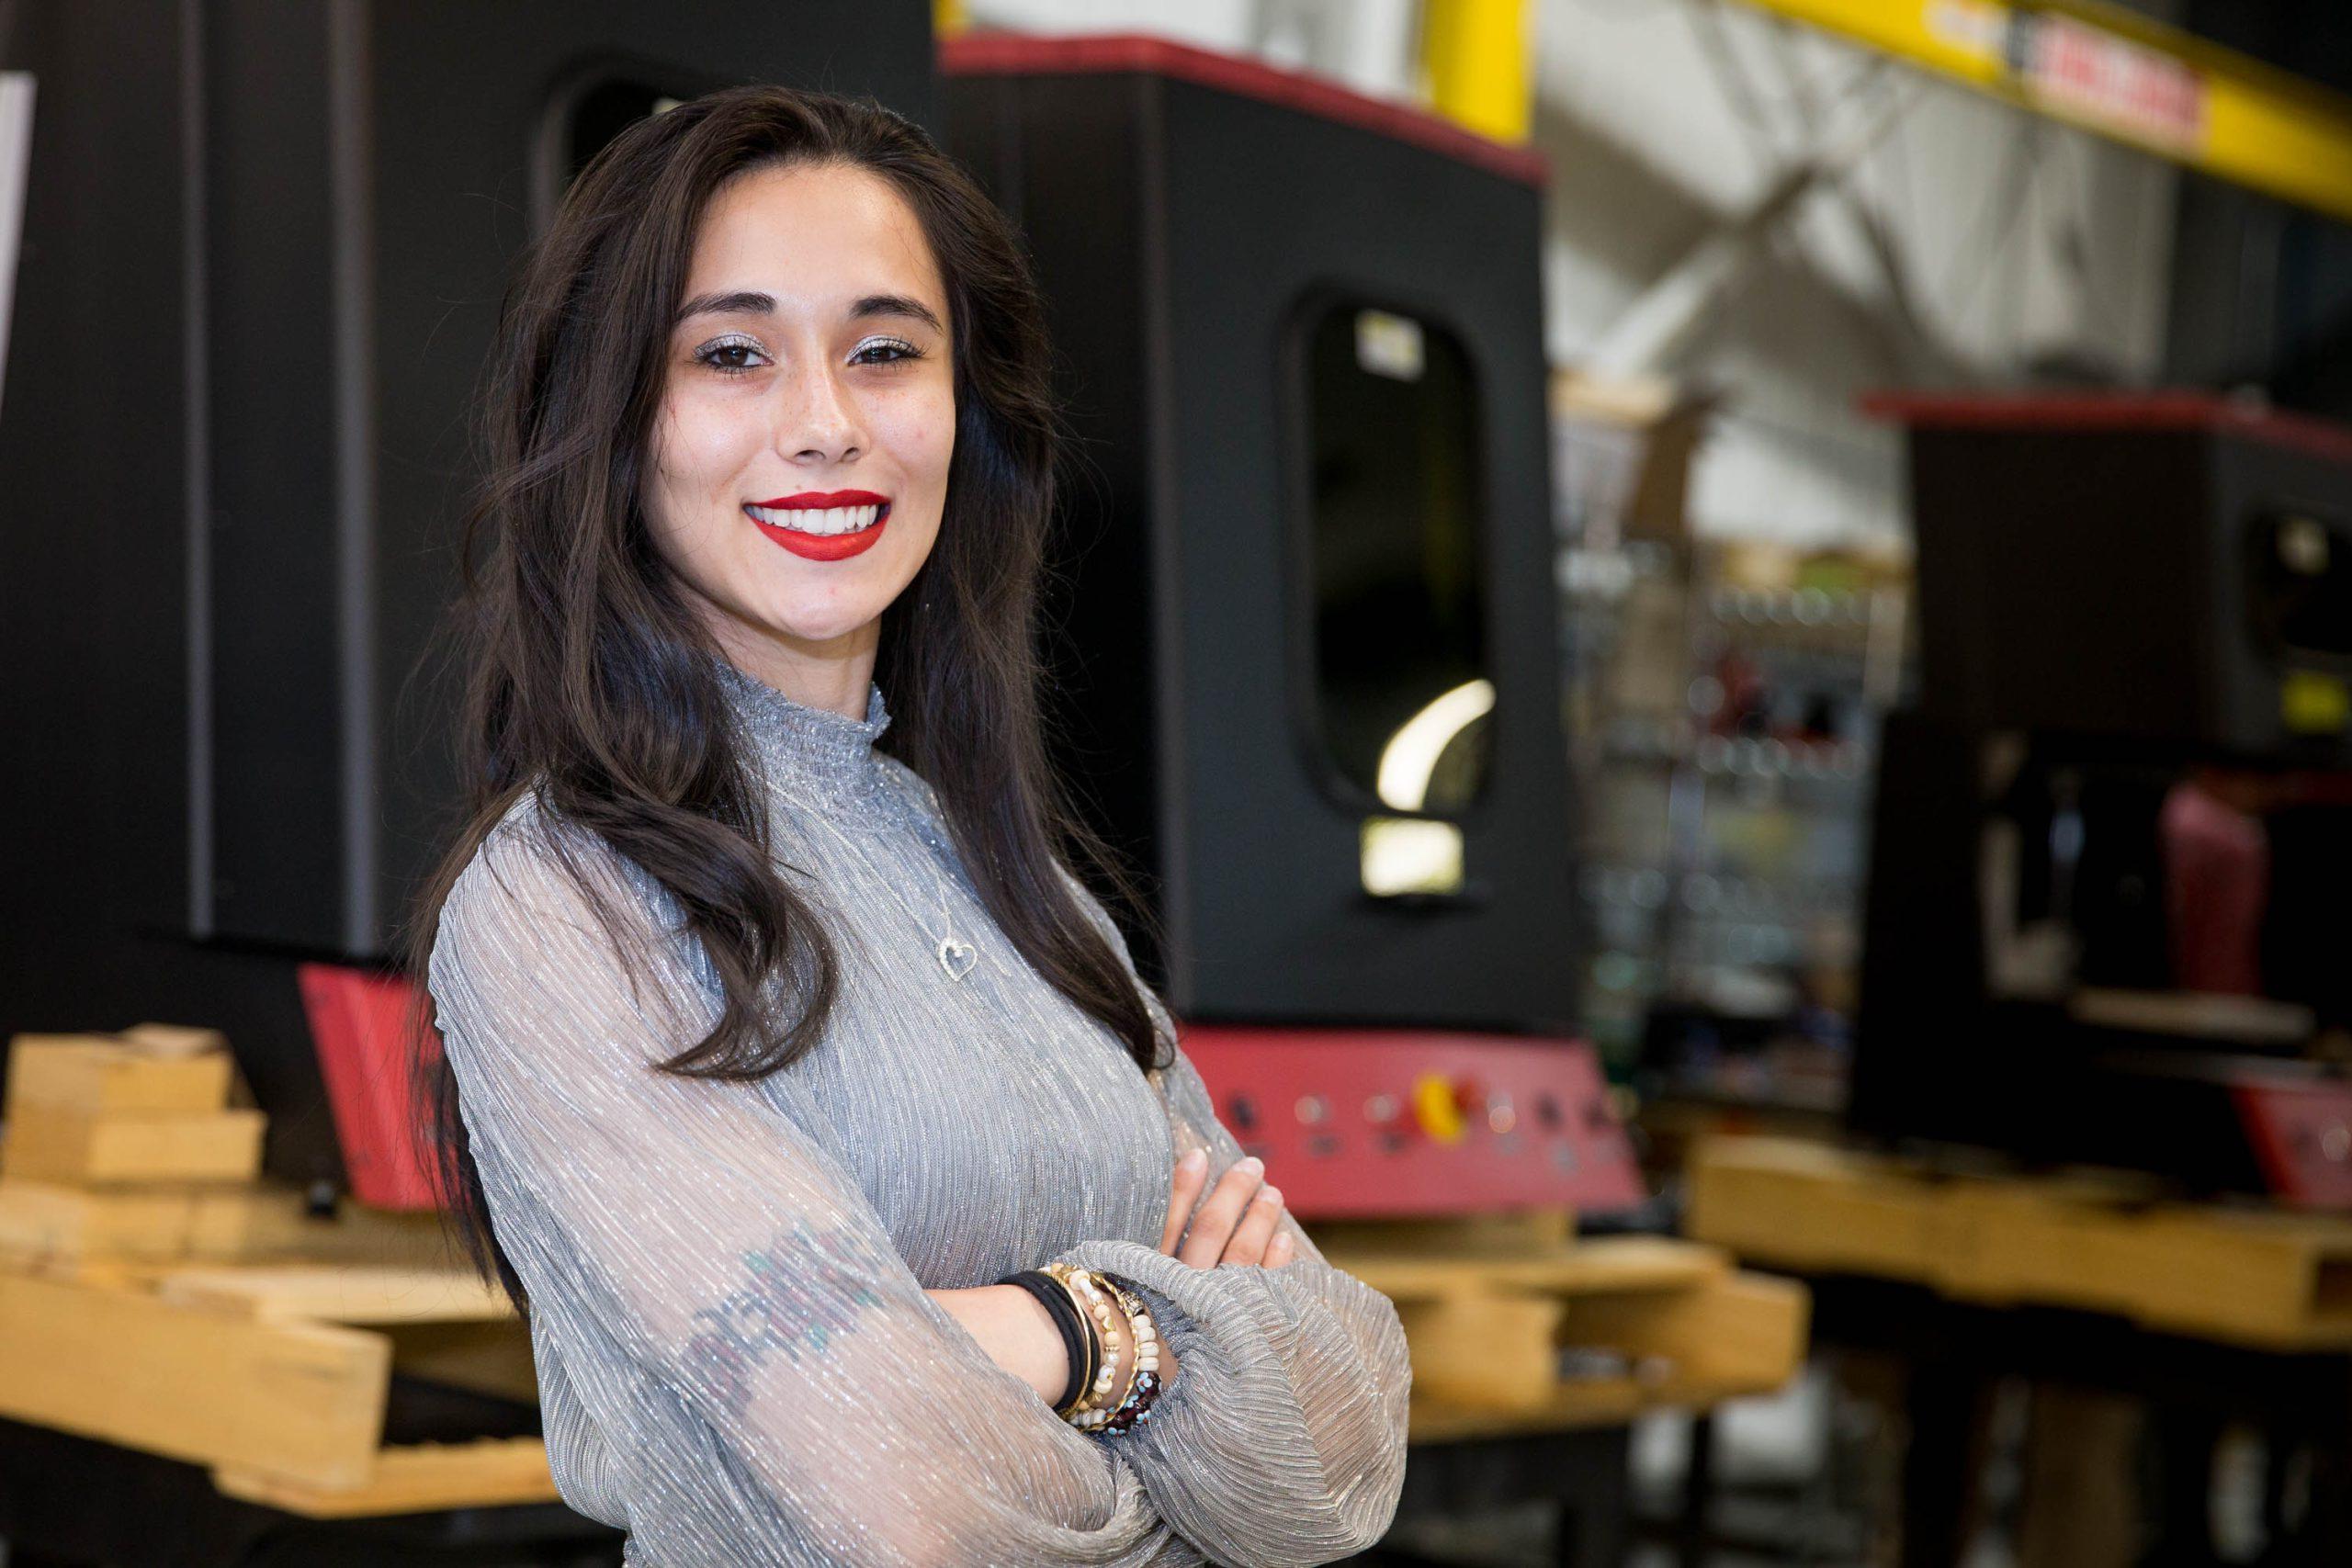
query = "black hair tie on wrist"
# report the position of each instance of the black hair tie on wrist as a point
(1074, 1328)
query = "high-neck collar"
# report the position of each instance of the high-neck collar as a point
(826, 755)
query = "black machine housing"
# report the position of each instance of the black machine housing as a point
(2105, 917)
(1281, 543)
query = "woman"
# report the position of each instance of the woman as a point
(773, 1053)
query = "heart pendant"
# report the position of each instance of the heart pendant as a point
(957, 957)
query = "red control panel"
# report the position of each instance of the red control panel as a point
(1399, 1122)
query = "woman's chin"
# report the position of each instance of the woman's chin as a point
(835, 628)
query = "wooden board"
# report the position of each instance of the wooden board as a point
(338, 1293)
(299, 1400)
(1602, 1265)
(45, 1225)
(412, 1479)
(101, 1075)
(2264, 1278)
(1809, 1206)
(47, 1144)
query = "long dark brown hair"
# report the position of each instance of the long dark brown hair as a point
(586, 677)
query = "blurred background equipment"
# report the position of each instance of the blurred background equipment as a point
(2107, 916)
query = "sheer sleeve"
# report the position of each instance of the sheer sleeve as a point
(766, 1379)
(1282, 1440)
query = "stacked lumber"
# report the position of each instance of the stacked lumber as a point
(1515, 1324)
(157, 1294)
(130, 1147)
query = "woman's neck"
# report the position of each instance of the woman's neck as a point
(833, 675)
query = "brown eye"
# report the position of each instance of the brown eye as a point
(723, 356)
(896, 349)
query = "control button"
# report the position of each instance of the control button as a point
(1500, 1117)
(2335, 1144)
(1563, 1157)
(1323, 1145)
(1245, 1114)
(1437, 1109)
(1313, 1108)
(1381, 1108)
(1548, 1109)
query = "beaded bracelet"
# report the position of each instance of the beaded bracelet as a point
(1144, 1388)
(1108, 1299)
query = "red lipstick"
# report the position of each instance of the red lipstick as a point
(822, 547)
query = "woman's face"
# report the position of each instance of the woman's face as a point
(799, 461)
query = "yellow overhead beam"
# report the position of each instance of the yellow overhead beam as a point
(1480, 68)
(2113, 72)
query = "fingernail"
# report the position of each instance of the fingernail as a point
(1195, 1159)
(1271, 1194)
(1253, 1165)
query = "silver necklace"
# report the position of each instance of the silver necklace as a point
(955, 955)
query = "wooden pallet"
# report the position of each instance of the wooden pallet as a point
(275, 1376)
(1516, 1326)
(2092, 1241)
(155, 1295)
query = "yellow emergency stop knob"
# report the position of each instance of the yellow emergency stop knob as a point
(1437, 1108)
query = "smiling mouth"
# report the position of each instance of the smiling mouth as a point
(822, 533)
(822, 523)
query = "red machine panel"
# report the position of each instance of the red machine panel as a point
(2301, 1133)
(1400, 1122)
(356, 1017)
(1350, 1122)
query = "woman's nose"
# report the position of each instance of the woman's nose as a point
(820, 418)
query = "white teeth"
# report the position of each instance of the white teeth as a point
(831, 519)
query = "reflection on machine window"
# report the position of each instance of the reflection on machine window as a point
(1396, 561)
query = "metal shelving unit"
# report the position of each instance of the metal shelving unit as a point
(1726, 741)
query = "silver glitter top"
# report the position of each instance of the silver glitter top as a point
(738, 1362)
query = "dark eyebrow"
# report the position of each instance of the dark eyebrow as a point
(751, 302)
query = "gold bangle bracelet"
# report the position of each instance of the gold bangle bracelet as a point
(1060, 1273)
(1101, 1305)
(1100, 1407)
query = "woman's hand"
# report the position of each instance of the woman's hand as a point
(1235, 1223)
